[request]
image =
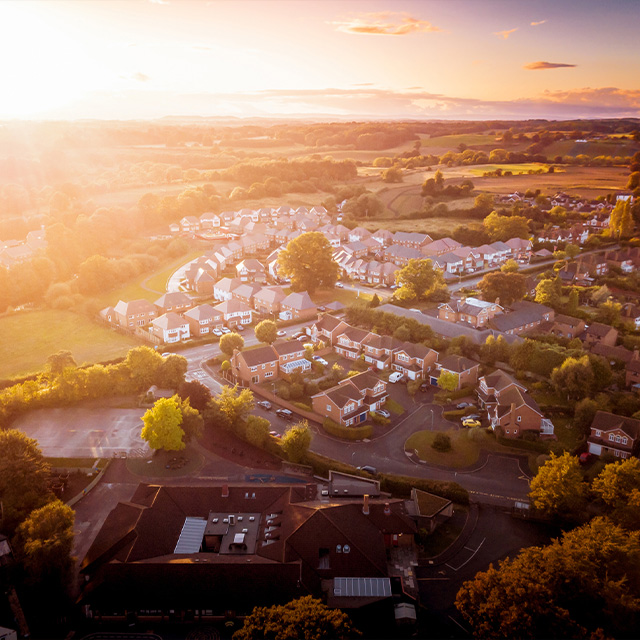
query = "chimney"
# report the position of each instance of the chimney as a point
(365, 505)
(387, 509)
(513, 410)
(225, 490)
(232, 520)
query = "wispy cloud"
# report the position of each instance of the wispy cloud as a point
(159, 1)
(537, 24)
(505, 34)
(201, 47)
(138, 76)
(385, 23)
(534, 66)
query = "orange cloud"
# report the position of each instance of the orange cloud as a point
(536, 24)
(386, 23)
(506, 33)
(546, 65)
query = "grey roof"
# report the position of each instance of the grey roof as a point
(191, 536)
(522, 313)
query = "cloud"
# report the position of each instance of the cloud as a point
(385, 23)
(159, 1)
(534, 66)
(201, 47)
(138, 76)
(537, 24)
(505, 34)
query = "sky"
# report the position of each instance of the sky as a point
(443, 59)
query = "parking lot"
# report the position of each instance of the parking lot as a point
(86, 433)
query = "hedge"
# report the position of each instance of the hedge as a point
(530, 445)
(322, 465)
(348, 433)
(302, 405)
(454, 413)
(400, 487)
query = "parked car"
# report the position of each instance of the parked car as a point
(217, 332)
(339, 285)
(322, 308)
(166, 354)
(275, 434)
(472, 416)
(470, 423)
(298, 335)
(369, 469)
(320, 360)
(240, 327)
(284, 413)
(265, 404)
(463, 405)
(225, 330)
(383, 413)
(585, 457)
(425, 386)
(395, 376)
(281, 333)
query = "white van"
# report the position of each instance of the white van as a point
(395, 376)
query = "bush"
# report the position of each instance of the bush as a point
(453, 414)
(302, 405)
(378, 419)
(348, 433)
(540, 446)
(400, 487)
(442, 442)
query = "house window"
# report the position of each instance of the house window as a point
(268, 374)
(611, 437)
(323, 558)
(598, 433)
(519, 419)
(624, 441)
(255, 379)
(254, 369)
(264, 366)
(618, 438)
(328, 407)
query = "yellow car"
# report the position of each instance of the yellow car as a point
(470, 422)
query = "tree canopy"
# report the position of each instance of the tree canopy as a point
(505, 227)
(266, 331)
(417, 280)
(296, 441)
(230, 408)
(448, 380)
(306, 618)
(308, 261)
(229, 342)
(574, 377)
(509, 287)
(618, 486)
(162, 425)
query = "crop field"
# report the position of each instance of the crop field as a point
(442, 226)
(516, 169)
(592, 149)
(29, 338)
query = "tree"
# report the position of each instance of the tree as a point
(266, 331)
(634, 181)
(558, 489)
(609, 312)
(572, 251)
(58, 362)
(510, 266)
(24, 476)
(196, 393)
(44, 543)
(402, 333)
(505, 227)
(162, 425)
(306, 618)
(574, 377)
(483, 204)
(229, 342)
(621, 220)
(365, 205)
(172, 371)
(508, 287)
(296, 441)
(448, 380)
(257, 430)
(308, 261)
(375, 301)
(230, 409)
(392, 174)
(600, 295)
(416, 280)
(584, 585)
(143, 364)
(618, 486)
(573, 302)
(192, 422)
(584, 413)
(547, 293)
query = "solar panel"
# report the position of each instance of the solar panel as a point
(362, 587)
(190, 539)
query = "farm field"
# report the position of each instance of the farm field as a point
(441, 226)
(516, 169)
(29, 338)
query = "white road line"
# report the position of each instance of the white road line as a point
(456, 622)
(469, 558)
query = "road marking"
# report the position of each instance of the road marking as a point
(432, 579)
(469, 558)
(456, 622)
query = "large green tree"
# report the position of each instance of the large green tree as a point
(266, 331)
(505, 227)
(192, 422)
(229, 342)
(574, 377)
(296, 441)
(416, 280)
(508, 287)
(621, 220)
(306, 618)
(162, 425)
(24, 476)
(547, 293)
(448, 380)
(143, 364)
(618, 486)
(584, 585)
(308, 261)
(230, 409)
(558, 489)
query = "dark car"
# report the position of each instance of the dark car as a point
(284, 413)
(369, 469)
(265, 404)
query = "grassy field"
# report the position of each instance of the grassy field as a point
(30, 338)
(516, 169)
(592, 149)
(452, 142)
(439, 226)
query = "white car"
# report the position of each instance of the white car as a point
(339, 285)
(217, 332)
(395, 376)
(225, 330)
(281, 333)
(320, 360)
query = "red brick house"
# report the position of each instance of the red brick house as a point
(350, 342)
(136, 313)
(414, 361)
(291, 356)
(268, 300)
(614, 434)
(472, 311)
(379, 350)
(255, 365)
(297, 306)
(598, 333)
(465, 369)
(176, 301)
(517, 412)
(327, 328)
(203, 319)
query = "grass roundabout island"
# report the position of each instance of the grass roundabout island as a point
(466, 445)
(167, 464)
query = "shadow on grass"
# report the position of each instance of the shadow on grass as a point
(167, 464)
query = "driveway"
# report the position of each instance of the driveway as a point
(79, 432)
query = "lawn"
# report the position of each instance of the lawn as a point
(158, 281)
(516, 169)
(441, 226)
(30, 338)
(394, 407)
(346, 296)
(466, 445)
(451, 142)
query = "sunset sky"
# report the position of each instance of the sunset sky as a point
(121, 59)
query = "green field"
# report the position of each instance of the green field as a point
(516, 169)
(452, 142)
(29, 338)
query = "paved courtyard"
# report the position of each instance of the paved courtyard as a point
(85, 433)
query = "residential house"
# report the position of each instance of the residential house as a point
(203, 319)
(516, 413)
(630, 312)
(355, 249)
(401, 255)
(448, 262)
(414, 361)
(611, 433)
(562, 326)
(245, 293)
(190, 224)
(297, 306)
(384, 237)
(411, 239)
(204, 282)
(210, 220)
(223, 289)
(379, 350)
(615, 356)
(268, 300)
(291, 356)
(438, 247)
(520, 248)
(598, 333)
(136, 313)
(255, 365)
(502, 251)
(349, 402)
(594, 263)
(349, 343)
(359, 234)
(632, 372)
(472, 261)
(524, 316)
(492, 385)
(251, 270)
(430, 510)
(175, 301)
(466, 370)
(170, 328)
(327, 328)
(235, 312)
(471, 311)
